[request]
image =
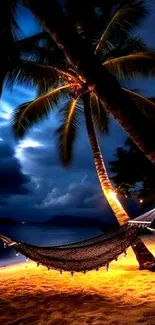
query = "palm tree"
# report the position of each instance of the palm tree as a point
(63, 82)
(121, 21)
(133, 55)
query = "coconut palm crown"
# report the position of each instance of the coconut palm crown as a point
(112, 39)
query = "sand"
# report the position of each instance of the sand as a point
(122, 296)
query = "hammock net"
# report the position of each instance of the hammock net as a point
(86, 255)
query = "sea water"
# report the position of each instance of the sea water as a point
(40, 235)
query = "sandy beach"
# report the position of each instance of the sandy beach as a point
(31, 295)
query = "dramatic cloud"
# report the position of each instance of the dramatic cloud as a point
(81, 198)
(12, 180)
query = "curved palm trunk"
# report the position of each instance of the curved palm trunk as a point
(104, 180)
(82, 58)
(145, 258)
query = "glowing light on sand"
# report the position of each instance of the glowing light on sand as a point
(102, 297)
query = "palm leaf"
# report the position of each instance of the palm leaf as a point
(7, 26)
(123, 21)
(13, 6)
(28, 47)
(144, 104)
(42, 49)
(39, 52)
(27, 114)
(67, 131)
(32, 74)
(126, 46)
(132, 65)
(99, 114)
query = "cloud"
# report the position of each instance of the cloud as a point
(60, 200)
(81, 195)
(12, 179)
(24, 144)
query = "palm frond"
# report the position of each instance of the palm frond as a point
(126, 46)
(84, 17)
(144, 104)
(6, 38)
(13, 6)
(122, 23)
(27, 114)
(68, 130)
(32, 74)
(42, 49)
(99, 114)
(29, 46)
(31, 39)
(37, 52)
(41, 76)
(132, 65)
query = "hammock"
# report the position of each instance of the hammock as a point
(88, 254)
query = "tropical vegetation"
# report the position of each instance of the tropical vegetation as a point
(133, 174)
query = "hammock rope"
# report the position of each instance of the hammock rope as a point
(89, 254)
(82, 258)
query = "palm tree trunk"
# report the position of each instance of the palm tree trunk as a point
(103, 178)
(145, 259)
(79, 54)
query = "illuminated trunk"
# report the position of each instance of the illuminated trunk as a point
(145, 259)
(103, 177)
(82, 58)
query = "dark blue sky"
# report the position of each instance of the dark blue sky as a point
(33, 185)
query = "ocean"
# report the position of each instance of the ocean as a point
(40, 235)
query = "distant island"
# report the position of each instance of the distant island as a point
(65, 221)
(7, 221)
(74, 221)
(69, 221)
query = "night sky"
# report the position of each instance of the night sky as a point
(33, 185)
